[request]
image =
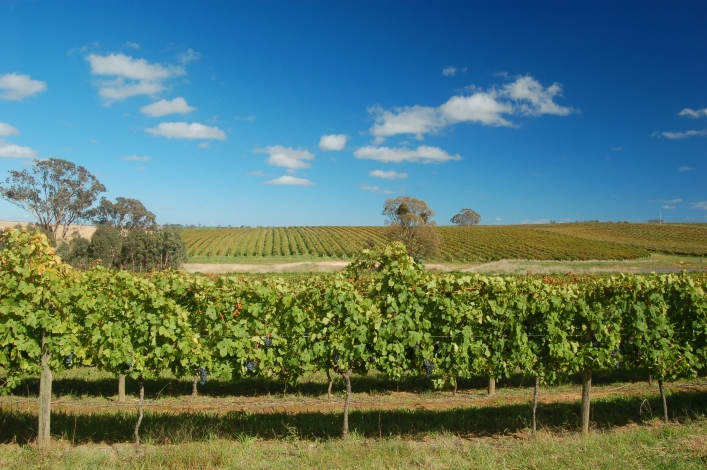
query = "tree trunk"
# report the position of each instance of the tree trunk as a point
(331, 382)
(194, 391)
(665, 403)
(347, 378)
(45, 401)
(139, 419)
(454, 391)
(492, 385)
(536, 392)
(650, 380)
(121, 388)
(586, 390)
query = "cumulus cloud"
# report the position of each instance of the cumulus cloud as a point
(290, 180)
(693, 113)
(680, 135)
(417, 120)
(524, 96)
(9, 150)
(670, 201)
(132, 45)
(449, 71)
(481, 107)
(532, 99)
(686, 168)
(257, 173)
(183, 130)
(668, 207)
(423, 154)
(617, 149)
(132, 76)
(164, 107)
(700, 205)
(333, 142)
(388, 175)
(16, 87)
(6, 129)
(287, 157)
(136, 158)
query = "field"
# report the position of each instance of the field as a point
(575, 241)
(403, 424)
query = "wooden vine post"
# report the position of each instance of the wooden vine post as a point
(536, 392)
(140, 415)
(586, 390)
(492, 385)
(121, 388)
(347, 378)
(45, 400)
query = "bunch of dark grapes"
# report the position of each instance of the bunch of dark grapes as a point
(268, 343)
(126, 367)
(429, 367)
(251, 366)
(202, 375)
(68, 360)
(336, 358)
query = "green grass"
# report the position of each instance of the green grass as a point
(653, 447)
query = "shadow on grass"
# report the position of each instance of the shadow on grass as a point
(165, 427)
(371, 383)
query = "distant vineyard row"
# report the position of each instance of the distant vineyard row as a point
(578, 241)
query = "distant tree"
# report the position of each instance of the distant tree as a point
(56, 192)
(76, 252)
(410, 221)
(466, 217)
(106, 245)
(125, 215)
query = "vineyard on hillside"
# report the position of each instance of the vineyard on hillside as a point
(575, 241)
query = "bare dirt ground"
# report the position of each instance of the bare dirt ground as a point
(85, 231)
(304, 266)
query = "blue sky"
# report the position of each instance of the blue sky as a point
(314, 113)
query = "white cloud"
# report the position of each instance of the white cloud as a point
(164, 107)
(449, 71)
(287, 157)
(9, 150)
(132, 45)
(700, 205)
(333, 142)
(480, 107)
(205, 145)
(524, 96)
(118, 90)
(617, 149)
(257, 173)
(680, 135)
(290, 180)
(291, 171)
(145, 78)
(693, 113)
(16, 87)
(6, 129)
(532, 99)
(120, 65)
(376, 189)
(417, 120)
(686, 168)
(247, 118)
(423, 154)
(190, 56)
(668, 207)
(388, 175)
(136, 158)
(183, 130)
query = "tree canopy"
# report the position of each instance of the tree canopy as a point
(56, 192)
(466, 217)
(125, 214)
(410, 222)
